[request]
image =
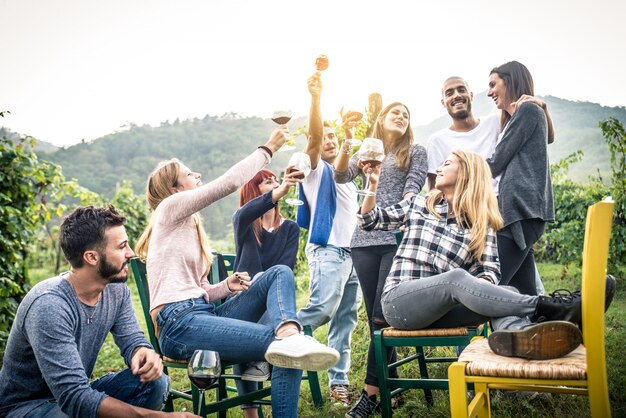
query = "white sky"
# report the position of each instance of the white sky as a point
(80, 69)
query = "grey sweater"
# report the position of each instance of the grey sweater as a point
(522, 158)
(51, 351)
(392, 186)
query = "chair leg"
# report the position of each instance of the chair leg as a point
(483, 404)
(421, 360)
(313, 379)
(382, 372)
(458, 390)
(314, 386)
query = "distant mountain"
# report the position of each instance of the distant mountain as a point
(213, 144)
(41, 146)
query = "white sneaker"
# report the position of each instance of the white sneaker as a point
(299, 351)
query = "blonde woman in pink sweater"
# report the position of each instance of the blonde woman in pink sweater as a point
(178, 259)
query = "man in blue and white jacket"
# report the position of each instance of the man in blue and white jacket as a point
(329, 213)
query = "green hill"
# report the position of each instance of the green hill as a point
(213, 144)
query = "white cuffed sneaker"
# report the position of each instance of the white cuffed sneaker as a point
(299, 351)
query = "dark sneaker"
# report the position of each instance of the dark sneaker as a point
(256, 371)
(340, 395)
(365, 407)
(560, 305)
(546, 340)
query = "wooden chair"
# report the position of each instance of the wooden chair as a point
(311, 377)
(581, 372)
(224, 402)
(392, 337)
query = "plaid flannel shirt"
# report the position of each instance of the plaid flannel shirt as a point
(430, 246)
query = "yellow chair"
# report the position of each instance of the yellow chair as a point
(581, 372)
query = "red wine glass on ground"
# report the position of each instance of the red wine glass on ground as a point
(372, 152)
(204, 370)
(282, 117)
(299, 161)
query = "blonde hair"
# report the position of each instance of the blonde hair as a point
(160, 185)
(402, 146)
(475, 205)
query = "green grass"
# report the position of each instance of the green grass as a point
(558, 405)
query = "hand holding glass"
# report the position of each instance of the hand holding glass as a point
(204, 370)
(301, 162)
(372, 152)
(282, 117)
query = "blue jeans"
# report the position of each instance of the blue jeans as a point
(335, 297)
(232, 330)
(123, 386)
(420, 303)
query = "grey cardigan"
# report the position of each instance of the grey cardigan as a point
(522, 159)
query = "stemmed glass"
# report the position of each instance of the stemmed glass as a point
(300, 162)
(372, 152)
(282, 117)
(204, 370)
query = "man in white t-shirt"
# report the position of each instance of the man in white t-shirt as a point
(329, 213)
(466, 131)
(469, 133)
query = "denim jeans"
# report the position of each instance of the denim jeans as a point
(232, 330)
(123, 386)
(335, 297)
(417, 304)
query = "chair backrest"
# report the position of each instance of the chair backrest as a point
(595, 255)
(141, 279)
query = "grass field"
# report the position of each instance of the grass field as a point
(554, 276)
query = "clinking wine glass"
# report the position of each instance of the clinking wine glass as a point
(282, 117)
(299, 161)
(372, 151)
(204, 370)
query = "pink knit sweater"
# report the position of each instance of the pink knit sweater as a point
(175, 266)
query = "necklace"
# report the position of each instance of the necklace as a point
(80, 303)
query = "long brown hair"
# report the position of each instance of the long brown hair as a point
(402, 146)
(250, 191)
(160, 185)
(475, 205)
(518, 81)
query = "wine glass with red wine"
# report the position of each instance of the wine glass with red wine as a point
(282, 117)
(372, 152)
(299, 161)
(204, 370)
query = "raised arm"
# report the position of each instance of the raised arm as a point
(184, 204)
(316, 124)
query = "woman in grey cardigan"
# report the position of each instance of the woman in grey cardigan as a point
(403, 173)
(521, 165)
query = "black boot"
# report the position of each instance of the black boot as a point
(560, 305)
(547, 340)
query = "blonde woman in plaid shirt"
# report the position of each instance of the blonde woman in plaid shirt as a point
(448, 264)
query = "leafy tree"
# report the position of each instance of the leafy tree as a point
(24, 182)
(615, 136)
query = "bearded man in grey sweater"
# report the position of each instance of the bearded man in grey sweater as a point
(60, 327)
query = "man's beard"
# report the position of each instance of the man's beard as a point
(111, 273)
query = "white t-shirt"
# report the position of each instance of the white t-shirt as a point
(482, 140)
(344, 222)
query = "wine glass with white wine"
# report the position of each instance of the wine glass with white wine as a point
(204, 370)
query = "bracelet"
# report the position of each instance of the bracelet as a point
(266, 149)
